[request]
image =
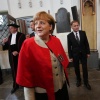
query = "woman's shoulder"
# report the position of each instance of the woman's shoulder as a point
(54, 37)
(29, 40)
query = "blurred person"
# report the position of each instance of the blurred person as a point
(13, 43)
(32, 26)
(44, 72)
(33, 29)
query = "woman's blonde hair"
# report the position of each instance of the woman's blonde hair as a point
(45, 16)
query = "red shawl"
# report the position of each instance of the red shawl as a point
(34, 64)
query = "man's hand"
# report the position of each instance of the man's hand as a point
(4, 40)
(88, 55)
(71, 60)
(15, 53)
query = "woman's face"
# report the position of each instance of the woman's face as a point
(42, 28)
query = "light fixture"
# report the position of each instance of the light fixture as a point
(30, 4)
(19, 4)
(61, 1)
(41, 3)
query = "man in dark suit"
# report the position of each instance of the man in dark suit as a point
(79, 51)
(33, 29)
(13, 43)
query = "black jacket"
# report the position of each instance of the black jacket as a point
(74, 48)
(32, 34)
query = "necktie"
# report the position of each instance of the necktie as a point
(77, 38)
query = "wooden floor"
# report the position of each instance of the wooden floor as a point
(75, 93)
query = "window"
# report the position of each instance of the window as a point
(1, 20)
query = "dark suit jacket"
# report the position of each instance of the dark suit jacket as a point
(74, 48)
(32, 34)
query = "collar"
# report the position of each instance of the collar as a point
(39, 41)
(75, 32)
(14, 33)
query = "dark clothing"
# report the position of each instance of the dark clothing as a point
(78, 52)
(1, 79)
(20, 37)
(59, 95)
(32, 34)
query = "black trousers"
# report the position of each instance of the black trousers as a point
(13, 64)
(76, 61)
(1, 79)
(59, 95)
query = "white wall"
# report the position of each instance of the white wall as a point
(25, 10)
(3, 5)
(63, 39)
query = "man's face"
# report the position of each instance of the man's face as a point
(32, 26)
(75, 26)
(12, 29)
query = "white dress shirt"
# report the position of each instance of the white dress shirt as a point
(77, 34)
(13, 38)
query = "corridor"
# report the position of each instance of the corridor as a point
(75, 93)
